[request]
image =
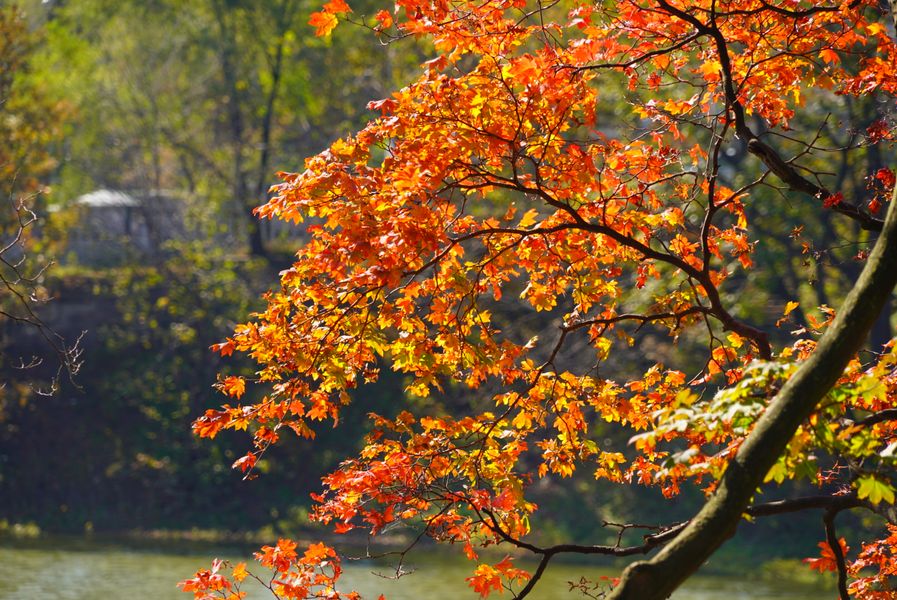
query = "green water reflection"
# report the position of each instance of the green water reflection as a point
(82, 570)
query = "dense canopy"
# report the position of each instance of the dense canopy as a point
(595, 169)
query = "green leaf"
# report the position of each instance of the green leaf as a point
(872, 388)
(875, 490)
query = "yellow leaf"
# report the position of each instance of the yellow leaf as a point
(875, 28)
(523, 420)
(777, 473)
(240, 572)
(710, 69)
(529, 217)
(873, 388)
(790, 307)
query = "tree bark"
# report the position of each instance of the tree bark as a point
(716, 522)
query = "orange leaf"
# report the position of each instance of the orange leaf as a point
(827, 561)
(244, 463)
(337, 6)
(234, 386)
(829, 56)
(323, 23)
(384, 18)
(528, 218)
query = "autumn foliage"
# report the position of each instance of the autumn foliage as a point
(500, 187)
(310, 575)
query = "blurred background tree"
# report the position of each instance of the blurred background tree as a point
(159, 125)
(30, 125)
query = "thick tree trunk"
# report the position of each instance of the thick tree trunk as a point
(716, 522)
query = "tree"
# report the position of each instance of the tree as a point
(501, 184)
(146, 112)
(29, 124)
(210, 99)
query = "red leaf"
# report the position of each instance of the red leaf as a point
(833, 200)
(245, 463)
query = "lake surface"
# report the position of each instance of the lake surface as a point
(84, 570)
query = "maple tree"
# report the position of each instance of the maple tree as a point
(497, 184)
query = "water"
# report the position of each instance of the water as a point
(83, 570)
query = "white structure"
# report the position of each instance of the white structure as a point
(113, 224)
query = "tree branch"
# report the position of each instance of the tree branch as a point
(888, 414)
(832, 538)
(716, 522)
(773, 161)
